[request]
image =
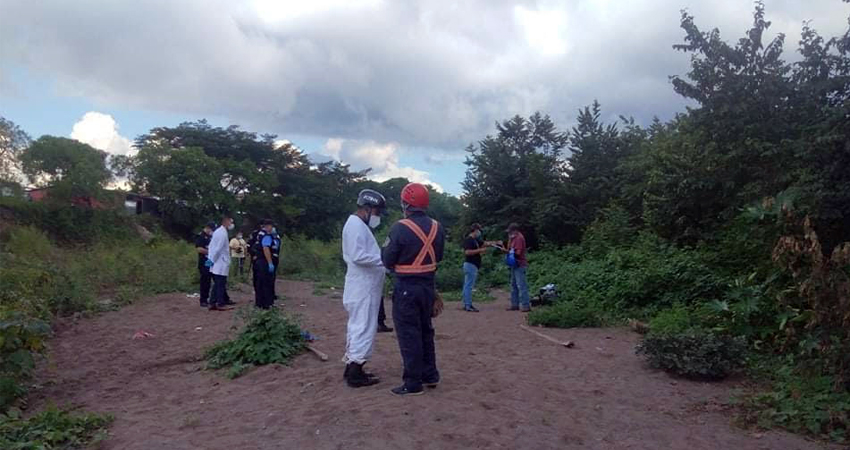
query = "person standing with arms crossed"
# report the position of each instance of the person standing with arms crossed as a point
(413, 249)
(238, 248)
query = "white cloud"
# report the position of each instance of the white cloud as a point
(383, 159)
(423, 73)
(101, 132)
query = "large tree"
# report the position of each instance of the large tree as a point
(517, 176)
(13, 141)
(69, 167)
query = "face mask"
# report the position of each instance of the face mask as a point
(238, 236)
(230, 227)
(274, 230)
(374, 221)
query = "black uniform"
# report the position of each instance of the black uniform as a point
(413, 297)
(275, 261)
(263, 279)
(203, 241)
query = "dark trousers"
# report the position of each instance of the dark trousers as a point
(206, 284)
(276, 263)
(220, 296)
(264, 293)
(254, 279)
(413, 303)
(382, 315)
(241, 265)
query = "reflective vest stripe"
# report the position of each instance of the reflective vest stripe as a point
(418, 266)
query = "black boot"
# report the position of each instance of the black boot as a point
(357, 378)
(383, 328)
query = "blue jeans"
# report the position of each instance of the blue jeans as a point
(470, 274)
(519, 288)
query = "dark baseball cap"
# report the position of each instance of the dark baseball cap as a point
(210, 225)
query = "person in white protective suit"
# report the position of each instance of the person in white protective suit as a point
(364, 284)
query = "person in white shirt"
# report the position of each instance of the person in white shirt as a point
(219, 257)
(238, 249)
(364, 284)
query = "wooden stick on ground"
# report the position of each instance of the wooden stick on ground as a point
(567, 344)
(317, 352)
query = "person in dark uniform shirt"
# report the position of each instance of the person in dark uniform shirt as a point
(264, 266)
(412, 251)
(202, 244)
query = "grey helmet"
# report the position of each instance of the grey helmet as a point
(369, 197)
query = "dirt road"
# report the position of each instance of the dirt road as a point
(502, 387)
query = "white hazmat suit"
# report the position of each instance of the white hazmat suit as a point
(364, 283)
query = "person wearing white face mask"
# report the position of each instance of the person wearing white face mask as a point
(364, 283)
(219, 255)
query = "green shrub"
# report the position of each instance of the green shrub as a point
(29, 242)
(268, 337)
(566, 315)
(52, 429)
(312, 260)
(671, 321)
(21, 337)
(694, 354)
(800, 402)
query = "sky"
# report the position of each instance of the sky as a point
(401, 87)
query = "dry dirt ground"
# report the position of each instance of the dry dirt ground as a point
(502, 387)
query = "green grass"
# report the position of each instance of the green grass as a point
(52, 429)
(478, 296)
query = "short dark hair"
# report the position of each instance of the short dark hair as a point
(265, 222)
(513, 227)
(474, 227)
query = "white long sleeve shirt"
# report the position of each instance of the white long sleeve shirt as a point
(219, 252)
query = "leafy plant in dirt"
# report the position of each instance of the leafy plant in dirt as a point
(798, 402)
(268, 337)
(52, 429)
(21, 338)
(694, 354)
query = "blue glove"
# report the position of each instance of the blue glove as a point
(208, 263)
(271, 268)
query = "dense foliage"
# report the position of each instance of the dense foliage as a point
(694, 354)
(52, 429)
(725, 228)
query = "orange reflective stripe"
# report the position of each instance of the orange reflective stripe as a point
(418, 265)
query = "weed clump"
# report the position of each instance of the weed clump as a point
(268, 337)
(52, 429)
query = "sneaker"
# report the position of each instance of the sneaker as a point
(205, 305)
(384, 329)
(470, 308)
(513, 308)
(431, 385)
(403, 391)
(525, 309)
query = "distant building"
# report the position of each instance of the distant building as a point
(40, 194)
(141, 204)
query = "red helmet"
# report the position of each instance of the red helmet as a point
(415, 195)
